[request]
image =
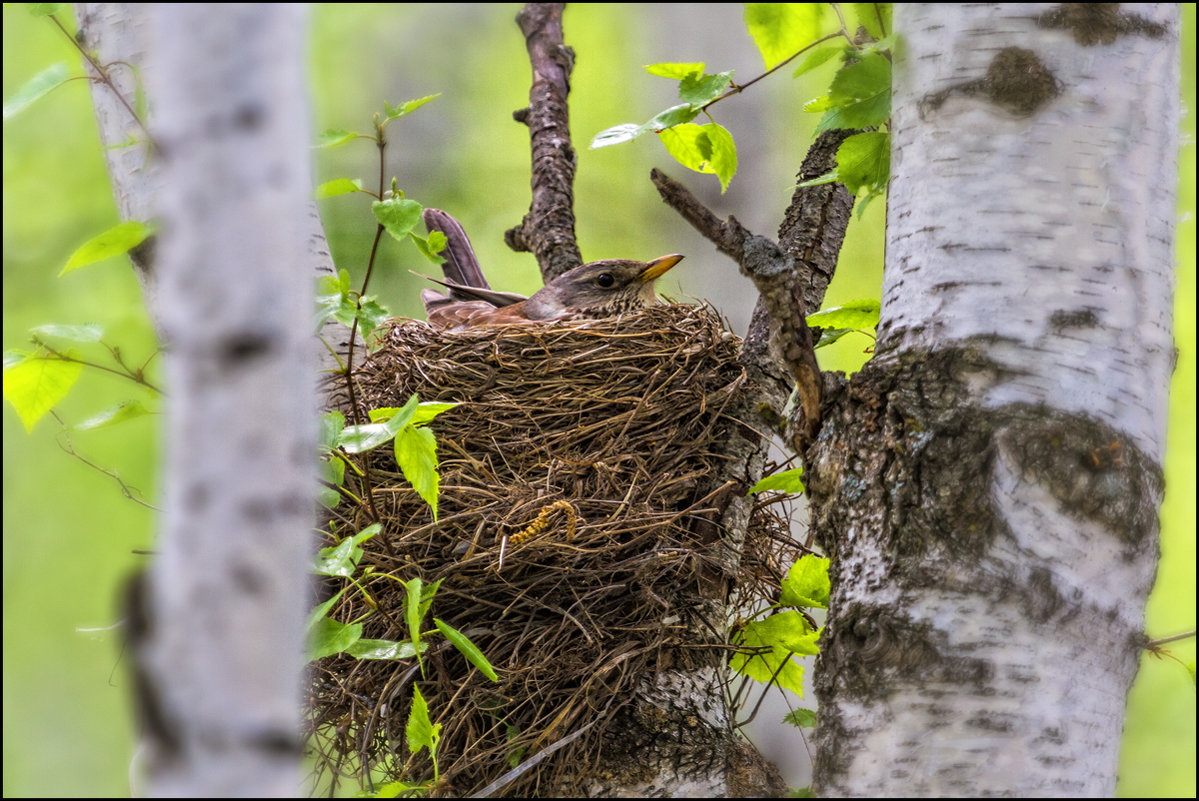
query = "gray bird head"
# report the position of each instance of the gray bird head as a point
(601, 288)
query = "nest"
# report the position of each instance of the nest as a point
(580, 539)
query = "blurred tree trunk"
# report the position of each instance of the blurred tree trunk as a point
(989, 483)
(216, 633)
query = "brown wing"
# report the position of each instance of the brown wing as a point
(460, 315)
(457, 315)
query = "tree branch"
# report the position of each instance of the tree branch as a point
(813, 226)
(548, 230)
(786, 337)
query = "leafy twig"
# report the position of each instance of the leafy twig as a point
(134, 375)
(126, 490)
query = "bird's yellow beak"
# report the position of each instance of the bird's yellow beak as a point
(658, 266)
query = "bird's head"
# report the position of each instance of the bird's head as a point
(604, 288)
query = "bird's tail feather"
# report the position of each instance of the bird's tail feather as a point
(460, 264)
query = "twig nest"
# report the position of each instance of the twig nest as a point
(578, 534)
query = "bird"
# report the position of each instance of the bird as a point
(597, 289)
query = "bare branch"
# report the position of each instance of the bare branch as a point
(813, 227)
(548, 230)
(773, 272)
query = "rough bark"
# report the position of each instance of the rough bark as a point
(988, 485)
(548, 230)
(220, 646)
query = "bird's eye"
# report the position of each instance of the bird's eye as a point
(605, 280)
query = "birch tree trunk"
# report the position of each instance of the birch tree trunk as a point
(216, 635)
(989, 484)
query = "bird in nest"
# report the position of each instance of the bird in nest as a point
(597, 289)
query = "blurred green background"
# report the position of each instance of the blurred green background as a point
(68, 532)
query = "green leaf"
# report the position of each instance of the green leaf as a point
(776, 664)
(830, 335)
(430, 247)
(675, 115)
(330, 637)
(427, 593)
(332, 470)
(698, 90)
(371, 314)
(338, 186)
(35, 88)
(787, 629)
(398, 215)
(412, 610)
(705, 148)
(35, 384)
(362, 438)
(785, 634)
(801, 718)
(45, 9)
(397, 418)
(420, 414)
(422, 732)
(396, 789)
(816, 57)
(467, 648)
(854, 314)
(119, 239)
(427, 411)
(328, 497)
(117, 414)
(677, 71)
(723, 158)
(807, 583)
(781, 29)
(335, 136)
(864, 202)
(385, 649)
(784, 481)
(416, 454)
(407, 107)
(342, 559)
(75, 333)
(617, 134)
(331, 424)
(860, 95)
(319, 611)
(386, 423)
(864, 162)
(817, 104)
(887, 43)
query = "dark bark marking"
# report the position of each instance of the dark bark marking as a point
(1074, 318)
(1016, 80)
(238, 349)
(1098, 23)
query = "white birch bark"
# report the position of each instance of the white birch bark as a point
(118, 34)
(1036, 240)
(1053, 232)
(224, 656)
